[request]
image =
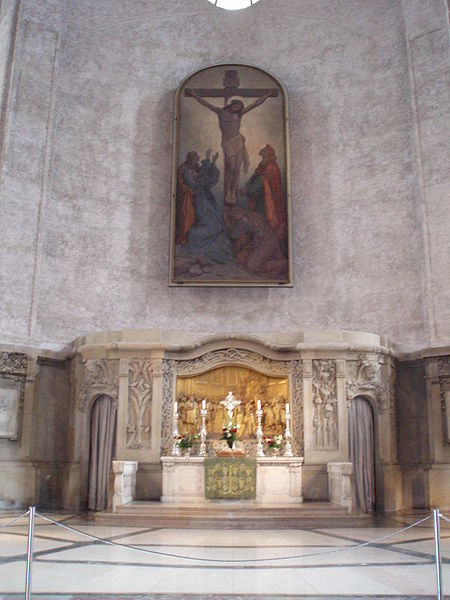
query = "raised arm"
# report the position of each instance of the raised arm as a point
(201, 100)
(258, 102)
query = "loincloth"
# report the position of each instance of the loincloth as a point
(235, 147)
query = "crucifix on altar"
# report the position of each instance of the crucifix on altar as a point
(230, 404)
(230, 116)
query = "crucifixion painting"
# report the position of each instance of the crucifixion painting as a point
(230, 209)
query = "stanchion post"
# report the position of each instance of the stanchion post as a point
(29, 552)
(437, 543)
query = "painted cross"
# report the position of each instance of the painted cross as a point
(231, 83)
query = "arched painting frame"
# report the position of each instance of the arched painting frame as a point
(230, 213)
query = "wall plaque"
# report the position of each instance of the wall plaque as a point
(9, 409)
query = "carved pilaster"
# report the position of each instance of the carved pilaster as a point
(390, 394)
(168, 393)
(307, 368)
(443, 373)
(139, 419)
(324, 397)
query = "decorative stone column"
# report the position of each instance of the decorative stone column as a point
(157, 363)
(124, 366)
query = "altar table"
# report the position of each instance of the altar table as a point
(278, 479)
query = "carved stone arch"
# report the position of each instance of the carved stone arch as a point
(236, 357)
(372, 392)
(372, 397)
(364, 379)
(220, 357)
(98, 394)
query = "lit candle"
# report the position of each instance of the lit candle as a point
(175, 407)
(204, 403)
(287, 409)
(258, 404)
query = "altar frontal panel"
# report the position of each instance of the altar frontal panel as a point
(230, 478)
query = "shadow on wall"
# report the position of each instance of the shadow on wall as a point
(148, 247)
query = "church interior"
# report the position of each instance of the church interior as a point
(225, 223)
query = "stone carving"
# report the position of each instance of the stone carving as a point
(139, 417)
(101, 376)
(13, 363)
(324, 404)
(168, 397)
(443, 365)
(445, 407)
(363, 380)
(297, 409)
(247, 385)
(230, 356)
(13, 371)
(10, 393)
(390, 393)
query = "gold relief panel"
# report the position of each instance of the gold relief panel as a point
(247, 386)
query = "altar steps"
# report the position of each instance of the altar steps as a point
(235, 515)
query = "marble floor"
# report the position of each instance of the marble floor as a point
(222, 564)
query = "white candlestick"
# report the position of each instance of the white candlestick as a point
(259, 431)
(287, 409)
(175, 448)
(203, 413)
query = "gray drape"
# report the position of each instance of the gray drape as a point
(362, 452)
(103, 428)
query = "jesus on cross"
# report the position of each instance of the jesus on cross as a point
(233, 142)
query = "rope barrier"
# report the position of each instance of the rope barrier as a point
(15, 519)
(445, 518)
(234, 561)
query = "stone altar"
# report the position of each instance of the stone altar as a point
(278, 479)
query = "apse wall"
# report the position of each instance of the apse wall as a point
(87, 110)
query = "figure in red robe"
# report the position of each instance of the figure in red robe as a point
(265, 194)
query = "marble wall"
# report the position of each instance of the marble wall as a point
(86, 152)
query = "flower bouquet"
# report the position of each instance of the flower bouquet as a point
(273, 443)
(186, 441)
(229, 433)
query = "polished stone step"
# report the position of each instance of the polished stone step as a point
(232, 515)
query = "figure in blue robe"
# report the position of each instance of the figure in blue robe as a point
(207, 236)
